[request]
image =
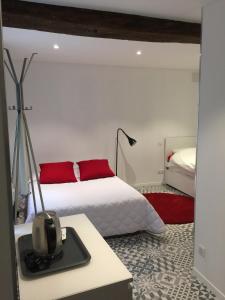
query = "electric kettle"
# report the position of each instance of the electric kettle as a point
(46, 234)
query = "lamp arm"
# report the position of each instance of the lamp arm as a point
(117, 144)
(120, 129)
(130, 140)
(117, 141)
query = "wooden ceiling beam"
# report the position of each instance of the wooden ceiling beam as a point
(93, 23)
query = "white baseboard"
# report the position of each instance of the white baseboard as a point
(147, 184)
(203, 279)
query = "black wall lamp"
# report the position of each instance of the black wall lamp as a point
(131, 141)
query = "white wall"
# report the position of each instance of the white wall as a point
(210, 198)
(77, 109)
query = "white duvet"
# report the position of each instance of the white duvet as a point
(113, 206)
(185, 159)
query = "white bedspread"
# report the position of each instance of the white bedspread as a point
(113, 206)
(185, 159)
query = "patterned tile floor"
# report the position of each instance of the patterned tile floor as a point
(161, 265)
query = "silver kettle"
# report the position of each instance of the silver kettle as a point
(46, 234)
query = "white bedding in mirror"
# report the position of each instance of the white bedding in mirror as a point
(113, 206)
(185, 159)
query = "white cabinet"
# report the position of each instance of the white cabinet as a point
(104, 278)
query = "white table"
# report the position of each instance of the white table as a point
(104, 278)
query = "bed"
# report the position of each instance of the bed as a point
(113, 206)
(180, 163)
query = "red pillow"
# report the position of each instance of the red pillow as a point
(94, 169)
(59, 172)
(170, 156)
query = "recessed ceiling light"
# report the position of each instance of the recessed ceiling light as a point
(56, 46)
(139, 52)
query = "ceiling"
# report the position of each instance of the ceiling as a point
(184, 10)
(98, 51)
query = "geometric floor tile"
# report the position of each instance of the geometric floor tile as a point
(161, 266)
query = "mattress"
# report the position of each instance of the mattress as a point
(113, 206)
(183, 161)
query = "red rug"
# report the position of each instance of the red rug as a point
(173, 209)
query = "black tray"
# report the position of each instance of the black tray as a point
(75, 254)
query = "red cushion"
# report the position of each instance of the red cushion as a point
(94, 169)
(59, 172)
(170, 156)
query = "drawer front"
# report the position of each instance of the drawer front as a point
(118, 291)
